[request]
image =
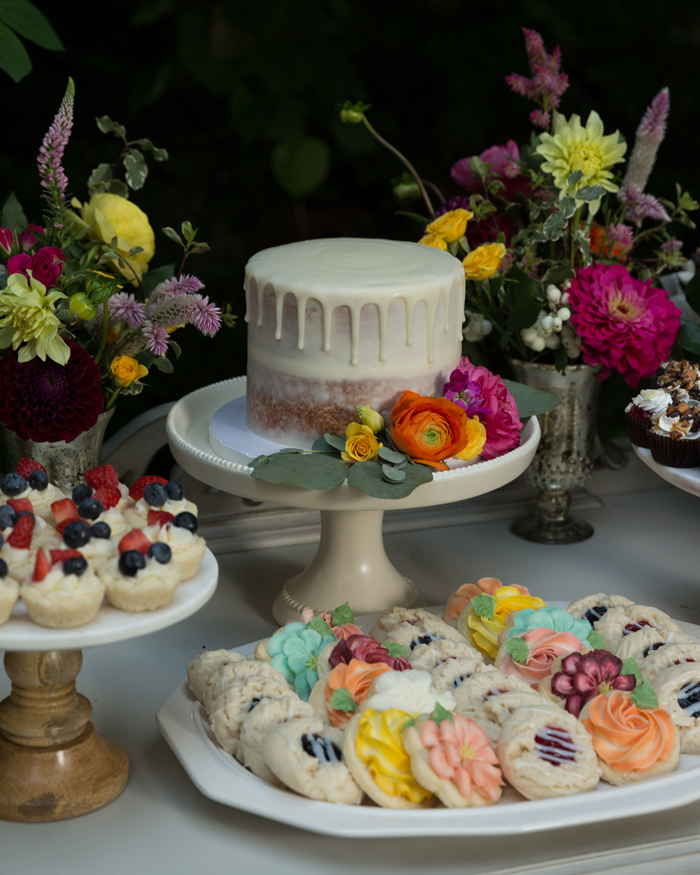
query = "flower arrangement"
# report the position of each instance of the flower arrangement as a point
(562, 254)
(83, 316)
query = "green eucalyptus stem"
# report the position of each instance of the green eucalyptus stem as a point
(113, 397)
(574, 226)
(411, 169)
(105, 329)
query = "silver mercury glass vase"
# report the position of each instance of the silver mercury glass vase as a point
(564, 457)
(65, 463)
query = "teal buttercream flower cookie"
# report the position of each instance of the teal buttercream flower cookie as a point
(549, 618)
(294, 651)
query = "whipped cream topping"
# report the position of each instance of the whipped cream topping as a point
(61, 585)
(652, 400)
(175, 537)
(673, 426)
(174, 507)
(115, 521)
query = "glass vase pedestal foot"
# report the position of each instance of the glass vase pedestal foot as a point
(551, 524)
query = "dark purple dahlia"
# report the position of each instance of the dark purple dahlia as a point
(45, 401)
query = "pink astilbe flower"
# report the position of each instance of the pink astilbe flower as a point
(640, 206)
(156, 338)
(205, 316)
(540, 119)
(123, 307)
(53, 177)
(650, 135)
(621, 234)
(546, 83)
(624, 324)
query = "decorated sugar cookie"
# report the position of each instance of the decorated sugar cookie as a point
(473, 693)
(426, 657)
(231, 707)
(408, 691)
(622, 621)
(232, 672)
(452, 757)
(364, 648)
(594, 607)
(667, 656)
(460, 599)
(678, 692)
(426, 631)
(486, 618)
(294, 652)
(638, 645)
(530, 656)
(395, 617)
(577, 679)
(206, 664)
(337, 699)
(450, 674)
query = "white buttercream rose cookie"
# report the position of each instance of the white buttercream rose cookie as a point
(64, 594)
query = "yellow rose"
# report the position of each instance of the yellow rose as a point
(477, 438)
(127, 370)
(434, 241)
(361, 444)
(483, 262)
(450, 226)
(115, 216)
(370, 418)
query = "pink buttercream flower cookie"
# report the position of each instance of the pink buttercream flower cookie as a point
(532, 656)
(452, 757)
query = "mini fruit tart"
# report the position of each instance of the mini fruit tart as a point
(143, 577)
(95, 542)
(158, 494)
(9, 593)
(103, 484)
(63, 592)
(31, 482)
(17, 550)
(180, 534)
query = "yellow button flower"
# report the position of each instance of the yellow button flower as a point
(450, 226)
(483, 262)
(127, 370)
(361, 444)
(433, 240)
(477, 439)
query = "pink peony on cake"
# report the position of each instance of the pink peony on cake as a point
(377, 317)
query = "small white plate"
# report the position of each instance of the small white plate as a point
(110, 625)
(218, 775)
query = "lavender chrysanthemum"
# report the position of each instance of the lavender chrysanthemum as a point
(123, 307)
(156, 338)
(650, 134)
(640, 206)
(205, 315)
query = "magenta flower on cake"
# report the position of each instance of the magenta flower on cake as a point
(624, 324)
(45, 401)
(480, 392)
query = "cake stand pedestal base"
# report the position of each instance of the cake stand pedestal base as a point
(351, 561)
(53, 764)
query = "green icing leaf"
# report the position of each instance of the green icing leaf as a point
(629, 666)
(409, 723)
(440, 714)
(518, 649)
(319, 625)
(596, 640)
(342, 615)
(643, 695)
(341, 700)
(397, 651)
(484, 606)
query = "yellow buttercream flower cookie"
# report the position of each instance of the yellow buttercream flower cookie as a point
(485, 618)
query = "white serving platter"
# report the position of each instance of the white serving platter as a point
(219, 776)
(687, 479)
(110, 625)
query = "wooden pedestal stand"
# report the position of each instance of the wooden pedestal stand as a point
(53, 764)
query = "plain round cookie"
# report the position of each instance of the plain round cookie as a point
(256, 725)
(325, 777)
(537, 778)
(498, 709)
(671, 687)
(219, 680)
(667, 656)
(450, 674)
(580, 607)
(638, 645)
(445, 789)
(616, 623)
(206, 664)
(395, 617)
(426, 631)
(472, 694)
(231, 707)
(426, 657)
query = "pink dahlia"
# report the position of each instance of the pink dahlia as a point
(45, 401)
(624, 324)
(480, 392)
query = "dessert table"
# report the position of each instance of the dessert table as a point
(642, 548)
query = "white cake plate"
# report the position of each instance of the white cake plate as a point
(351, 563)
(53, 764)
(687, 479)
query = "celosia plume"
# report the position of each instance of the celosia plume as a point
(640, 206)
(650, 135)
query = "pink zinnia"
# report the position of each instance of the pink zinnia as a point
(624, 324)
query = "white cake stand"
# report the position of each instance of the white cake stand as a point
(351, 563)
(53, 764)
(687, 479)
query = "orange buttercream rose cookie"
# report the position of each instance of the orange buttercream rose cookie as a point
(632, 743)
(336, 699)
(453, 758)
(374, 751)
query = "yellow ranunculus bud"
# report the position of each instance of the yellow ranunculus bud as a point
(483, 262)
(451, 225)
(371, 418)
(127, 370)
(434, 241)
(361, 444)
(477, 438)
(115, 216)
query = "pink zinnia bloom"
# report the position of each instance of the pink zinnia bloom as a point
(156, 338)
(205, 316)
(123, 307)
(624, 324)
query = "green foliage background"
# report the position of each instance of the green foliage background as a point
(243, 97)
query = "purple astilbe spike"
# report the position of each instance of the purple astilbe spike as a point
(547, 83)
(640, 206)
(534, 47)
(156, 338)
(650, 135)
(205, 315)
(170, 312)
(621, 234)
(53, 177)
(123, 307)
(540, 119)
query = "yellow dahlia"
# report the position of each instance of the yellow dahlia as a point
(573, 147)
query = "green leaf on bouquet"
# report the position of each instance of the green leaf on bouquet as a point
(521, 289)
(163, 364)
(12, 212)
(24, 18)
(158, 154)
(369, 477)
(320, 445)
(393, 475)
(530, 401)
(391, 456)
(107, 126)
(555, 225)
(14, 59)
(97, 177)
(336, 442)
(117, 186)
(557, 274)
(590, 193)
(342, 614)
(307, 470)
(574, 177)
(156, 275)
(421, 220)
(688, 338)
(136, 168)
(172, 234)
(341, 700)
(568, 206)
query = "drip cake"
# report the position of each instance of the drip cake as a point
(340, 322)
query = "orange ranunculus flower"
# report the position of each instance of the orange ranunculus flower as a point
(606, 247)
(429, 430)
